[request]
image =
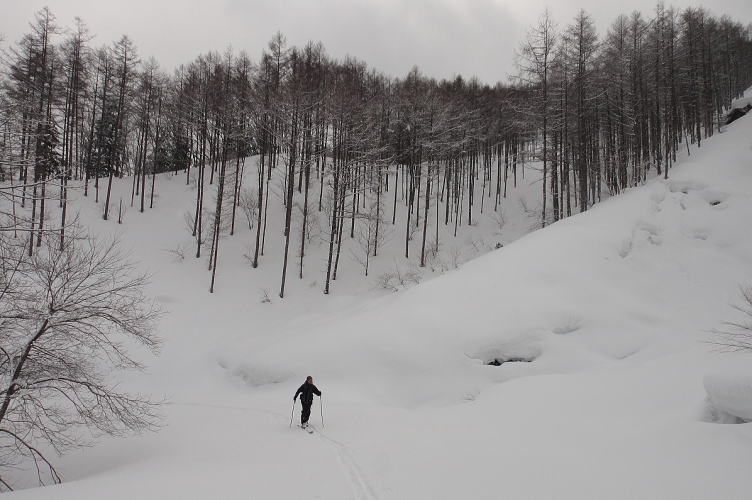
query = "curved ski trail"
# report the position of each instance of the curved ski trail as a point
(360, 486)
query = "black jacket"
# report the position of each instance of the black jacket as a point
(306, 392)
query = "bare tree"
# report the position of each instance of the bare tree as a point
(368, 239)
(737, 335)
(536, 53)
(248, 202)
(65, 315)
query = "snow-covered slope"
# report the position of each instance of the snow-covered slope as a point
(613, 308)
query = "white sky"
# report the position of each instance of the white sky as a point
(442, 37)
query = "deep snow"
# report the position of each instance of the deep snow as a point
(616, 306)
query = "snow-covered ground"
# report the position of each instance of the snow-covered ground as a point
(613, 308)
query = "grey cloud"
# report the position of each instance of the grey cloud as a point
(442, 37)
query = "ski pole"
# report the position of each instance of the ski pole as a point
(292, 412)
(321, 409)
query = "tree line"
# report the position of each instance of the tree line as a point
(338, 140)
(595, 115)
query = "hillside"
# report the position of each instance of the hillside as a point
(612, 308)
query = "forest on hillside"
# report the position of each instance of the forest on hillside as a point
(312, 151)
(595, 114)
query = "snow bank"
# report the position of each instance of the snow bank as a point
(730, 391)
(741, 102)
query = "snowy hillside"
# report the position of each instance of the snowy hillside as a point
(603, 318)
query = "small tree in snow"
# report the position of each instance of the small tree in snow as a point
(369, 240)
(737, 335)
(248, 203)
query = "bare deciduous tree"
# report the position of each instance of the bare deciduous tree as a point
(368, 239)
(65, 316)
(248, 202)
(737, 335)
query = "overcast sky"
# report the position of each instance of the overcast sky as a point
(442, 37)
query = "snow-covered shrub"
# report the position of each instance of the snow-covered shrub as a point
(248, 202)
(398, 279)
(730, 391)
(737, 335)
(264, 296)
(178, 253)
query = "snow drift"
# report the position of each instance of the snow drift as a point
(730, 392)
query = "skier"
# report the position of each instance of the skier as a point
(306, 391)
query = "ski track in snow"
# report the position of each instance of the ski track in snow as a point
(360, 486)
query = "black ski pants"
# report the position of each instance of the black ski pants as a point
(305, 414)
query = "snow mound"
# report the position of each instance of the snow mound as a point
(741, 102)
(730, 393)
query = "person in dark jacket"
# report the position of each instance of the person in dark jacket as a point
(306, 391)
